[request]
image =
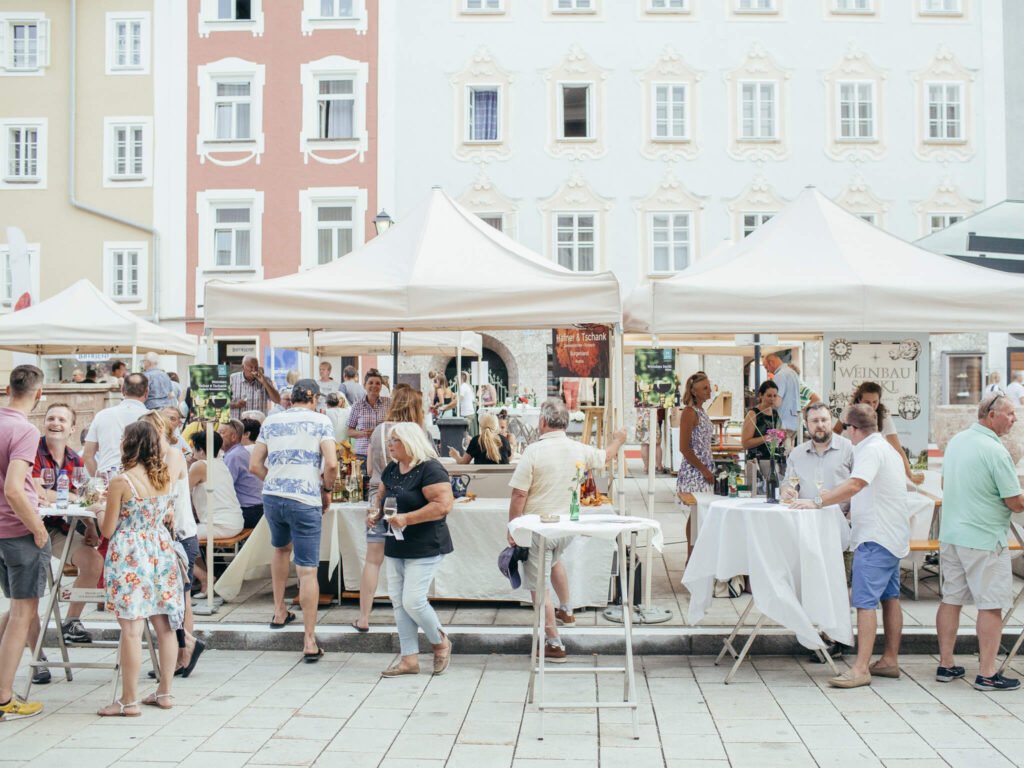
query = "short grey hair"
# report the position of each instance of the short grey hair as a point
(152, 357)
(988, 404)
(554, 413)
(1018, 375)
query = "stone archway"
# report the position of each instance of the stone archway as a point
(502, 369)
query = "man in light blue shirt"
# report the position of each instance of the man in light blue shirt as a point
(788, 382)
(161, 388)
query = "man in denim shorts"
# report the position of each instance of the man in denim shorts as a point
(296, 457)
(24, 542)
(877, 491)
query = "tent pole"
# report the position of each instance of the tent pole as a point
(615, 403)
(135, 359)
(653, 441)
(757, 361)
(312, 353)
(394, 360)
(211, 577)
(458, 380)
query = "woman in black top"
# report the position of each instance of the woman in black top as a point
(423, 492)
(760, 419)
(489, 447)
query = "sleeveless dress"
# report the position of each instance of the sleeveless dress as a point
(690, 480)
(762, 423)
(141, 571)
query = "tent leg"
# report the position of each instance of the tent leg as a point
(757, 361)
(394, 360)
(312, 354)
(135, 359)
(458, 381)
(615, 403)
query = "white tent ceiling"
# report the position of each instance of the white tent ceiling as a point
(82, 319)
(438, 269)
(377, 343)
(818, 268)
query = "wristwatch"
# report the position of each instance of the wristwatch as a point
(817, 501)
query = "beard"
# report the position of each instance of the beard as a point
(822, 436)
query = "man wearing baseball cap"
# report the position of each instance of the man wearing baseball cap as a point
(296, 456)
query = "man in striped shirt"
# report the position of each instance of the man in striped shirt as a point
(251, 390)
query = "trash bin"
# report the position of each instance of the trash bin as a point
(453, 430)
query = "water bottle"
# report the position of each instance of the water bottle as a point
(63, 487)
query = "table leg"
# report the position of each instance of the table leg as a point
(540, 629)
(626, 581)
(535, 646)
(727, 646)
(746, 648)
(52, 609)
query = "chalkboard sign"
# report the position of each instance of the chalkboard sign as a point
(553, 383)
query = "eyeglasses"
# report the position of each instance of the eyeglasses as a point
(849, 426)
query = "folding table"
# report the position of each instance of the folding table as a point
(529, 529)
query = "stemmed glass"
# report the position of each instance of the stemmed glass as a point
(819, 480)
(390, 510)
(101, 481)
(466, 440)
(48, 477)
(79, 477)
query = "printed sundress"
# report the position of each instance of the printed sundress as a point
(690, 480)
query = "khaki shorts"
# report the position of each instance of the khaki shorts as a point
(976, 576)
(57, 540)
(555, 549)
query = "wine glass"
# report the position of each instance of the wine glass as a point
(48, 477)
(390, 510)
(819, 480)
(79, 477)
(101, 481)
(466, 439)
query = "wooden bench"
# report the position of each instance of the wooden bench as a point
(933, 545)
(226, 548)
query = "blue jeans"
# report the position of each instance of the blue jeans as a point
(408, 582)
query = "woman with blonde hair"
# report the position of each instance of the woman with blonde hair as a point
(141, 573)
(406, 406)
(489, 447)
(696, 470)
(422, 493)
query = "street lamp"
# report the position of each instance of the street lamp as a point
(382, 222)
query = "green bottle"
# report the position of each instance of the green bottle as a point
(574, 506)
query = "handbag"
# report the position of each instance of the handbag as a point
(460, 484)
(731, 588)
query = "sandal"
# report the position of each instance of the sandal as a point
(288, 619)
(357, 628)
(313, 658)
(396, 670)
(117, 709)
(153, 700)
(443, 658)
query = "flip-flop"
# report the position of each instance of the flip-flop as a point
(313, 658)
(287, 620)
(197, 651)
(357, 628)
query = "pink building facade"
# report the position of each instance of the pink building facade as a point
(282, 143)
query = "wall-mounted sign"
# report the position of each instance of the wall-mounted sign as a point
(655, 373)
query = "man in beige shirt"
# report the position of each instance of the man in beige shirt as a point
(542, 484)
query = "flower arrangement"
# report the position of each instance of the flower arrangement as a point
(774, 438)
(578, 478)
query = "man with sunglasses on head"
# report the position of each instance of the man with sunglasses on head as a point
(877, 491)
(980, 492)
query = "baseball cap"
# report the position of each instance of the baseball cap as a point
(508, 564)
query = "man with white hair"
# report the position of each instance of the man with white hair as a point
(1015, 389)
(161, 388)
(788, 384)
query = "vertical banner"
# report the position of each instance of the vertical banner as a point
(21, 269)
(655, 372)
(898, 364)
(580, 352)
(211, 392)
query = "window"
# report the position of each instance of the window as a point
(333, 232)
(232, 237)
(757, 111)
(335, 108)
(670, 242)
(234, 10)
(124, 274)
(333, 14)
(853, 6)
(333, 221)
(937, 221)
(229, 236)
(570, 6)
(337, 9)
(668, 5)
(127, 150)
(940, 6)
(233, 16)
(482, 6)
(963, 379)
(232, 110)
(670, 114)
(495, 220)
(575, 241)
(856, 111)
(24, 43)
(755, 6)
(23, 153)
(483, 119)
(944, 113)
(752, 221)
(575, 106)
(128, 43)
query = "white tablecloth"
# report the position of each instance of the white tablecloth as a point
(478, 530)
(598, 525)
(794, 560)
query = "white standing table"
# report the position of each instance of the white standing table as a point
(528, 529)
(794, 559)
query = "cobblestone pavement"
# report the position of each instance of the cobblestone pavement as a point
(267, 708)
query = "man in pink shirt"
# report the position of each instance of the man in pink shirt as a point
(24, 543)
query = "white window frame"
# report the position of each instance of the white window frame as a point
(310, 200)
(310, 75)
(577, 7)
(113, 180)
(948, 219)
(654, 112)
(666, 6)
(485, 7)
(110, 250)
(43, 43)
(841, 7)
(776, 122)
(7, 304)
(943, 122)
(207, 203)
(926, 9)
(468, 118)
(39, 124)
(312, 18)
(210, 21)
(761, 218)
(591, 111)
(226, 70)
(748, 6)
(595, 215)
(143, 18)
(857, 84)
(670, 243)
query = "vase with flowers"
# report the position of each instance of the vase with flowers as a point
(574, 499)
(773, 439)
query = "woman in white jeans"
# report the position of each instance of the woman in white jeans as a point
(423, 492)
(226, 514)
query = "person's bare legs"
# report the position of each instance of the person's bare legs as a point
(309, 600)
(947, 622)
(280, 566)
(990, 630)
(560, 583)
(131, 659)
(867, 627)
(369, 580)
(892, 626)
(90, 567)
(23, 613)
(550, 628)
(168, 655)
(199, 572)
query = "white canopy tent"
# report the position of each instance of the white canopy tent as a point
(376, 343)
(82, 319)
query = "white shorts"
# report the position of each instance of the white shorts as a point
(555, 549)
(976, 576)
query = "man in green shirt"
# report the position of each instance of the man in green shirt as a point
(980, 492)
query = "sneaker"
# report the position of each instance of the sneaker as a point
(949, 674)
(554, 654)
(996, 683)
(834, 650)
(564, 617)
(16, 708)
(41, 676)
(74, 632)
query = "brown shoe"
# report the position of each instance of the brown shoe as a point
(891, 671)
(554, 654)
(850, 680)
(564, 617)
(396, 670)
(443, 658)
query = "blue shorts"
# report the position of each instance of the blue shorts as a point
(292, 522)
(876, 575)
(191, 547)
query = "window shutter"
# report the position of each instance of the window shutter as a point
(43, 42)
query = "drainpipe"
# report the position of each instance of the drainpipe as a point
(74, 201)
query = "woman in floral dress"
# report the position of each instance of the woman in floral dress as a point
(696, 470)
(141, 571)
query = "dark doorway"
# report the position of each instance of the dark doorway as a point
(497, 373)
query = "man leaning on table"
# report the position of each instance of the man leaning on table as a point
(980, 492)
(542, 483)
(881, 536)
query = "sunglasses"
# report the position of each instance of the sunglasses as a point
(989, 408)
(849, 426)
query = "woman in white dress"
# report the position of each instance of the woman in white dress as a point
(225, 516)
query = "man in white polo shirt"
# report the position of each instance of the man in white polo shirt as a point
(877, 490)
(103, 441)
(542, 483)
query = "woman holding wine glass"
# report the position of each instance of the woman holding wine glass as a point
(696, 470)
